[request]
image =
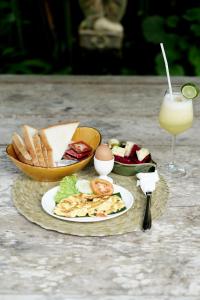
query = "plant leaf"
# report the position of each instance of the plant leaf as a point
(172, 21)
(5, 4)
(196, 29)
(183, 43)
(153, 29)
(159, 65)
(192, 14)
(194, 59)
(10, 18)
(172, 44)
(8, 51)
(175, 69)
(30, 66)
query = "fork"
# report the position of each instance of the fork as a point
(147, 215)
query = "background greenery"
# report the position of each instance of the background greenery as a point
(41, 36)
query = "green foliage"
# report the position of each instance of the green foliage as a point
(182, 47)
(19, 52)
(194, 59)
(193, 14)
(29, 66)
(175, 69)
(172, 21)
(153, 29)
(195, 28)
(30, 43)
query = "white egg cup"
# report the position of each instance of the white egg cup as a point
(103, 168)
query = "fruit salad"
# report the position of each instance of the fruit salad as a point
(128, 152)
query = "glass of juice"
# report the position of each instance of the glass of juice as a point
(176, 116)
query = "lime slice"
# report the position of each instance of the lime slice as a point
(190, 90)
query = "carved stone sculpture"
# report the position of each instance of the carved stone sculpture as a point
(101, 27)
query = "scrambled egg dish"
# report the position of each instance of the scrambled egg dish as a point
(83, 205)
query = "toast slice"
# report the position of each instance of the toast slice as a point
(56, 139)
(38, 149)
(20, 156)
(20, 148)
(28, 133)
(45, 154)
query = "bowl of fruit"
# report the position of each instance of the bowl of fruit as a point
(130, 158)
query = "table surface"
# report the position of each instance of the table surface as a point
(163, 263)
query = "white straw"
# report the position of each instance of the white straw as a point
(167, 68)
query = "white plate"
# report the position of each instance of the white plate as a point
(48, 204)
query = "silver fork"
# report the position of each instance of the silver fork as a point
(147, 215)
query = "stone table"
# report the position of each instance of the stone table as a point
(163, 263)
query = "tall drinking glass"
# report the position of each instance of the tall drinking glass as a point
(176, 116)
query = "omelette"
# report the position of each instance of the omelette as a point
(84, 205)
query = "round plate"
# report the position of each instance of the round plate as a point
(48, 204)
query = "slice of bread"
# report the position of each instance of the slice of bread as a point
(56, 139)
(28, 133)
(38, 149)
(45, 154)
(20, 148)
(20, 156)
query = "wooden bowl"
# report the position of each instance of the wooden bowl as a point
(87, 134)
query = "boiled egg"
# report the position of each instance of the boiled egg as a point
(103, 152)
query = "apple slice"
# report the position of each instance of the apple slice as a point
(128, 148)
(119, 151)
(142, 154)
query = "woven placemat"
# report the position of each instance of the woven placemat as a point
(27, 196)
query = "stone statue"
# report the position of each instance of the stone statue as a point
(102, 19)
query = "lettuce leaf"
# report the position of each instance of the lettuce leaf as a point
(67, 188)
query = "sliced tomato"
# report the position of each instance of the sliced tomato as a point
(101, 187)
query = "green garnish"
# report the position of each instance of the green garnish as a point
(190, 90)
(117, 194)
(118, 211)
(121, 209)
(67, 188)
